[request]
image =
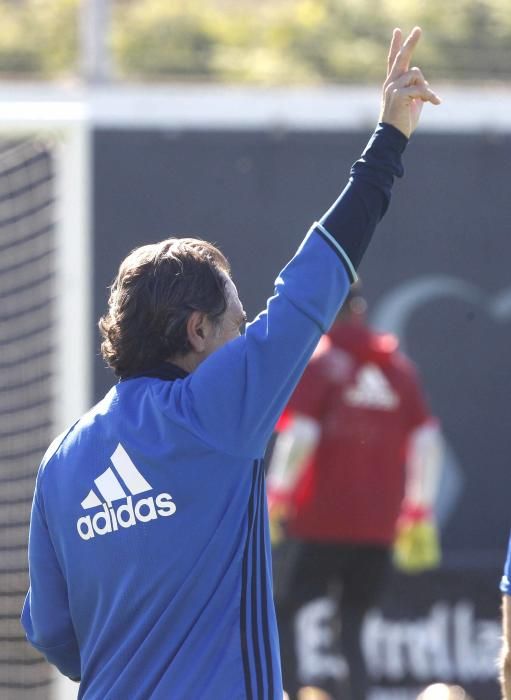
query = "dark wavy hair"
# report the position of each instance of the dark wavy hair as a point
(156, 289)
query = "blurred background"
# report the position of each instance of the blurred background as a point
(126, 121)
(239, 41)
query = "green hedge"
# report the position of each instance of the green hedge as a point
(261, 41)
(38, 38)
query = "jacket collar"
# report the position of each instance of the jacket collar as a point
(164, 371)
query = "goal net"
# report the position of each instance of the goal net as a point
(27, 319)
(42, 276)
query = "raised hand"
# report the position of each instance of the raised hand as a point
(405, 89)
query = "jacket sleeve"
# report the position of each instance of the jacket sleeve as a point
(505, 581)
(45, 616)
(233, 399)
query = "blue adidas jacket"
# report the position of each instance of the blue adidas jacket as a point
(150, 571)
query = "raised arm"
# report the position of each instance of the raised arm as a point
(235, 396)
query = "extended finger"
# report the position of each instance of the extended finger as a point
(395, 45)
(404, 55)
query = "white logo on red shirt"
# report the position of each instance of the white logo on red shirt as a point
(371, 389)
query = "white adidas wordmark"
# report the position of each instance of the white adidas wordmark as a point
(110, 519)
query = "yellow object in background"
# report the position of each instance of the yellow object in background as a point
(278, 513)
(416, 547)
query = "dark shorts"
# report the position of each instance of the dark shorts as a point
(303, 571)
(354, 576)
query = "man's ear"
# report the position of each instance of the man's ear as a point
(196, 331)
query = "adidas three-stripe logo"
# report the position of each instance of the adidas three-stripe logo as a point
(112, 488)
(109, 485)
(371, 389)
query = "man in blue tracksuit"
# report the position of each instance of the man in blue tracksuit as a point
(150, 573)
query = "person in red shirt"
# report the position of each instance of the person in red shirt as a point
(356, 458)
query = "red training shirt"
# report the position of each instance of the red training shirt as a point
(367, 399)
